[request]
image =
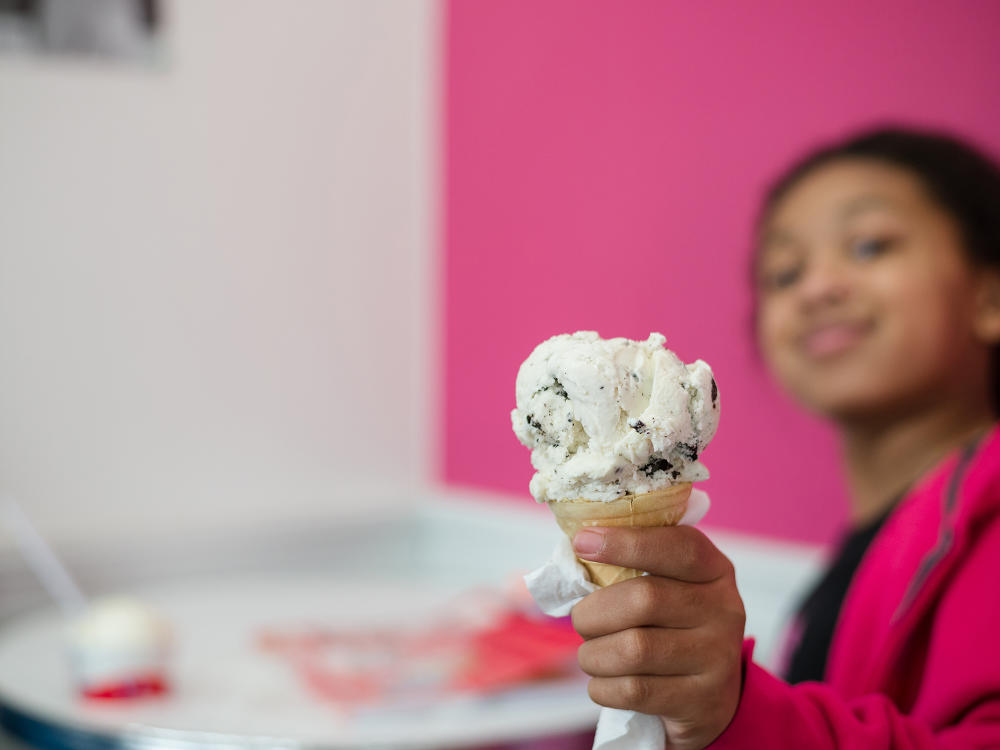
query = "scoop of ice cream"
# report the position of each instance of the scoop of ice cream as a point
(606, 418)
(120, 622)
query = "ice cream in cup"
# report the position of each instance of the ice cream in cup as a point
(118, 649)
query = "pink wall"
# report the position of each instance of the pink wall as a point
(602, 169)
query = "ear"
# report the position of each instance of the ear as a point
(986, 324)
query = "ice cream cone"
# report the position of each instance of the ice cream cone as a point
(663, 507)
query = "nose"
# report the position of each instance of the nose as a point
(826, 282)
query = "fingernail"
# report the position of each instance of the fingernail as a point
(588, 542)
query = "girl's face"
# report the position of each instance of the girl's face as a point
(867, 303)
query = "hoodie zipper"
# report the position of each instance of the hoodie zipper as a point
(946, 537)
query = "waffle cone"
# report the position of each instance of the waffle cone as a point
(663, 507)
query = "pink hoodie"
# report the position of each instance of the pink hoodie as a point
(915, 659)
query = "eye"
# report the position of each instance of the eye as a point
(780, 277)
(865, 248)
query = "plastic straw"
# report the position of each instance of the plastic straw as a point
(41, 559)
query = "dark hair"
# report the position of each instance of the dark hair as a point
(959, 177)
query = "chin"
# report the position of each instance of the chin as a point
(853, 410)
(862, 404)
(844, 399)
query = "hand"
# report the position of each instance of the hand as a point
(669, 643)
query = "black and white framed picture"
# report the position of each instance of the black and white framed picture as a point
(125, 30)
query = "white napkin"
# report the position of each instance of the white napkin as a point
(558, 585)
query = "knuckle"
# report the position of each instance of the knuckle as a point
(703, 555)
(630, 546)
(706, 557)
(689, 550)
(733, 608)
(690, 597)
(739, 611)
(634, 690)
(639, 648)
(739, 620)
(645, 598)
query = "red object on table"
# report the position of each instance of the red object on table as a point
(518, 649)
(138, 687)
(367, 666)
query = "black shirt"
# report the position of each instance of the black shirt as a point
(817, 617)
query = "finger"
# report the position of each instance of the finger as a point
(644, 651)
(641, 602)
(680, 552)
(646, 694)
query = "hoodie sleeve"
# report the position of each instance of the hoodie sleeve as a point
(957, 704)
(774, 714)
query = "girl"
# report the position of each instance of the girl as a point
(877, 276)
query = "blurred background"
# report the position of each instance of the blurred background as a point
(218, 263)
(603, 170)
(265, 266)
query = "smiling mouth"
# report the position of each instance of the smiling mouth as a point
(832, 339)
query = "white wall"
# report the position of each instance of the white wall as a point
(216, 276)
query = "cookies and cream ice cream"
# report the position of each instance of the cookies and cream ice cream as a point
(615, 417)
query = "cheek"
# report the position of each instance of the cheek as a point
(923, 344)
(928, 323)
(775, 337)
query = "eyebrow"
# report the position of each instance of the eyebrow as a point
(778, 237)
(864, 203)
